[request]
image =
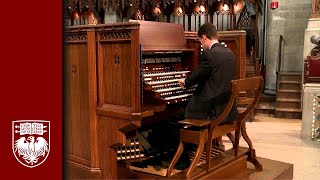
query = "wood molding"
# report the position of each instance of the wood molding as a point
(117, 111)
(77, 160)
(75, 170)
(315, 9)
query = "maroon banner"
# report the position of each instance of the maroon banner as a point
(31, 90)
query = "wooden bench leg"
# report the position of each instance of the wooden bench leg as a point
(252, 153)
(236, 143)
(231, 137)
(208, 153)
(175, 158)
(196, 157)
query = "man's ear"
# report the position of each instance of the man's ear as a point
(204, 37)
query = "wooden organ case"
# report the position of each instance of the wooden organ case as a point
(121, 77)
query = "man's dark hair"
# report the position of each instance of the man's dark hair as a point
(208, 30)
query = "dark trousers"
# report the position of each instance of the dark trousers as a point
(165, 136)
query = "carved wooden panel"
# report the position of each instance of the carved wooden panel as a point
(109, 134)
(72, 37)
(245, 21)
(80, 104)
(77, 100)
(115, 35)
(157, 36)
(117, 73)
(315, 9)
(236, 41)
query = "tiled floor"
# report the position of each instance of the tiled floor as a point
(279, 139)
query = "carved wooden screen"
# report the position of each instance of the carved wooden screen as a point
(247, 22)
(191, 15)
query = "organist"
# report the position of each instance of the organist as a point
(217, 67)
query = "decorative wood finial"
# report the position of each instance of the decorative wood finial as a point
(315, 9)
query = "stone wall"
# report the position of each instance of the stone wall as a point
(289, 20)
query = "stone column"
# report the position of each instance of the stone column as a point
(310, 91)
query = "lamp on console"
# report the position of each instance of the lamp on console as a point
(178, 9)
(200, 8)
(225, 8)
(238, 6)
(75, 17)
(156, 10)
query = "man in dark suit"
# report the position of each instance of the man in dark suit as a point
(215, 71)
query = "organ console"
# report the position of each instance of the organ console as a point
(121, 78)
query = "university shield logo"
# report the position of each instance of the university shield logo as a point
(31, 141)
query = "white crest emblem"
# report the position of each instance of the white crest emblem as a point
(31, 141)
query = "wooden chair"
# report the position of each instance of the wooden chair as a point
(209, 130)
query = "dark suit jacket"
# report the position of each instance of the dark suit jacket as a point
(216, 69)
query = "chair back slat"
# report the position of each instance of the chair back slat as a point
(254, 87)
(239, 86)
